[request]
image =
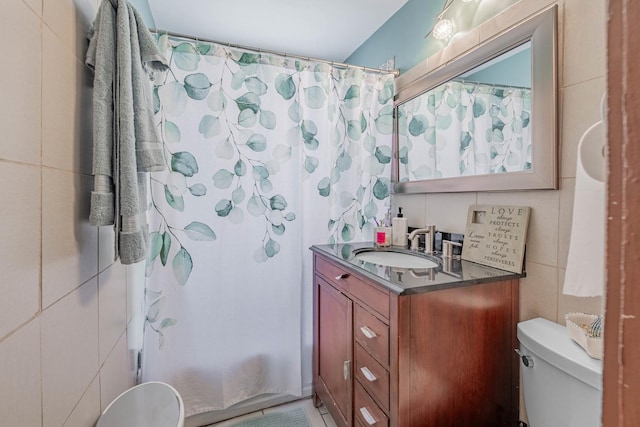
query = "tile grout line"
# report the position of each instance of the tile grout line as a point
(41, 275)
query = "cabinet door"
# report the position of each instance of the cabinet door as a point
(334, 351)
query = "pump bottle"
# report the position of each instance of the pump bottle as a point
(399, 229)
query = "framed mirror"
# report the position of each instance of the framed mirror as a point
(485, 121)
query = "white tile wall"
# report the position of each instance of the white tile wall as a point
(69, 242)
(112, 291)
(507, 18)
(20, 248)
(54, 318)
(565, 216)
(580, 109)
(585, 40)
(88, 408)
(66, 98)
(70, 352)
(60, 16)
(449, 211)
(413, 208)
(36, 5)
(20, 83)
(20, 383)
(84, 12)
(116, 374)
(539, 292)
(106, 249)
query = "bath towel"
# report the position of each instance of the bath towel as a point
(125, 141)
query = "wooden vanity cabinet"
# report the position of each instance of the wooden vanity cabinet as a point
(334, 350)
(442, 358)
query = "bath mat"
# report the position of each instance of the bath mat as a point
(293, 418)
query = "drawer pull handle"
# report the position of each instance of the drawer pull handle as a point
(346, 370)
(342, 276)
(368, 374)
(367, 416)
(367, 332)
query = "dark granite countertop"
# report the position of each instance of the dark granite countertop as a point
(448, 274)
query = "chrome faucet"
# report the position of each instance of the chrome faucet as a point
(429, 238)
(447, 249)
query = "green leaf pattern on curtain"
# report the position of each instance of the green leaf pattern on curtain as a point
(337, 125)
(257, 115)
(486, 128)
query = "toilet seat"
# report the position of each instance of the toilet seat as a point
(151, 404)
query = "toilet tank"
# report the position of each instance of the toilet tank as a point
(563, 387)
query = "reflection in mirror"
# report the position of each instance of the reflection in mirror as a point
(475, 124)
(484, 121)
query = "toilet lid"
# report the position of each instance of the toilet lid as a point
(151, 404)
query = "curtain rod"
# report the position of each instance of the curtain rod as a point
(475, 82)
(395, 72)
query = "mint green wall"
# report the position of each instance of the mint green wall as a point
(142, 6)
(513, 71)
(403, 35)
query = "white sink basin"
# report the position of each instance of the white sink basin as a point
(395, 259)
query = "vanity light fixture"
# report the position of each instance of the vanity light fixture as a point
(445, 28)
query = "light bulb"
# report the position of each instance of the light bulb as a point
(443, 30)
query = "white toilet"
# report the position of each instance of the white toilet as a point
(562, 384)
(151, 404)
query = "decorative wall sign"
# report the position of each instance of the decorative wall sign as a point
(496, 236)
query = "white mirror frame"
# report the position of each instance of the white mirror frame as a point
(541, 29)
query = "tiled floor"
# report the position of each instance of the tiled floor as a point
(319, 417)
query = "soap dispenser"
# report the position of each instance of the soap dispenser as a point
(399, 230)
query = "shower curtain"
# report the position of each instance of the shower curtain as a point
(265, 157)
(485, 127)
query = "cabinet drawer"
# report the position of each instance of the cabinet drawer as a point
(372, 334)
(371, 295)
(366, 411)
(373, 377)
